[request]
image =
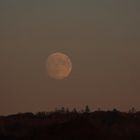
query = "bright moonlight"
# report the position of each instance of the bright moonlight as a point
(59, 66)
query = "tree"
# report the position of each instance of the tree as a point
(132, 110)
(87, 109)
(67, 110)
(42, 115)
(74, 110)
(62, 110)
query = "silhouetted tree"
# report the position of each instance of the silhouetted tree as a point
(67, 110)
(42, 115)
(62, 110)
(87, 109)
(115, 110)
(74, 110)
(132, 110)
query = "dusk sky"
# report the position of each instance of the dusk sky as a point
(101, 37)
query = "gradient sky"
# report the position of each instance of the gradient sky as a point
(102, 38)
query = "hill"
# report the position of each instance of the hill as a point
(62, 125)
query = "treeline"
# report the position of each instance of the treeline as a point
(64, 110)
(65, 124)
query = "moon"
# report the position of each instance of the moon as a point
(59, 66)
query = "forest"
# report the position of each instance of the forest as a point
(63, 124)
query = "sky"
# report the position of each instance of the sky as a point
(102, 38)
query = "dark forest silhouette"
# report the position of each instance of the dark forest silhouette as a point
(63, 124)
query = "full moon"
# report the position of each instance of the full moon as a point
(59, 66)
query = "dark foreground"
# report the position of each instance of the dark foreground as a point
(98, 125)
